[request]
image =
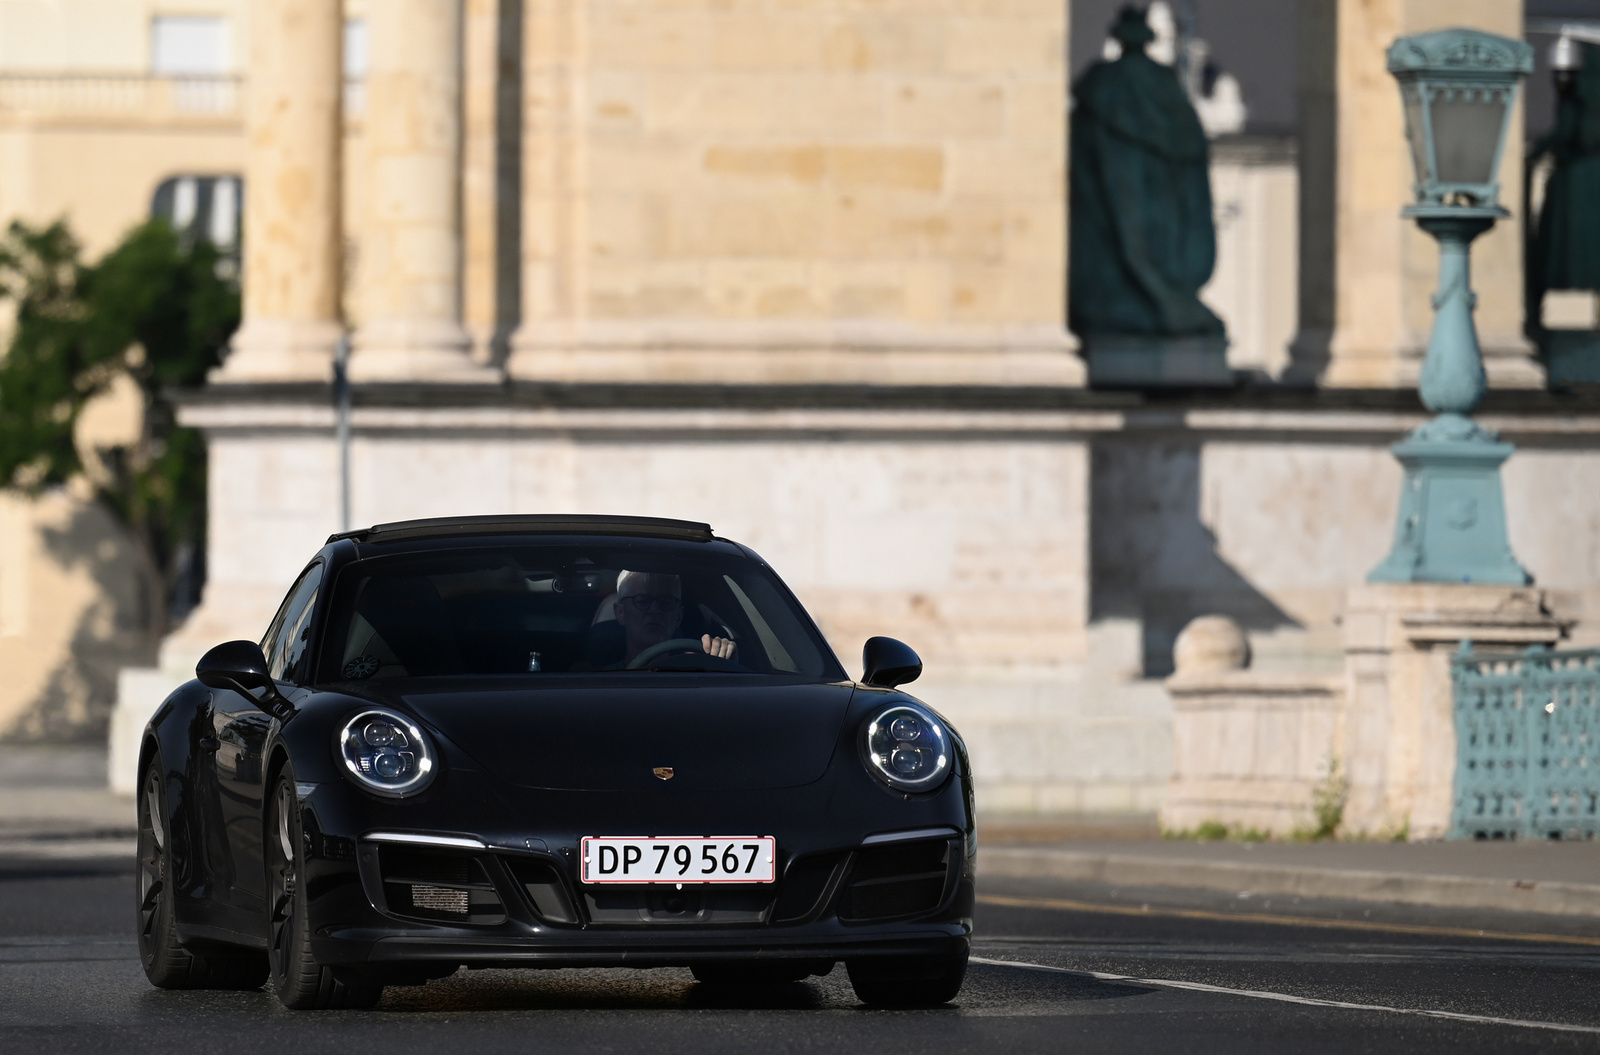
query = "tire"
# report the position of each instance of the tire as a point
(757, 972)
(302, 983)
(907, 981)
(167, 963)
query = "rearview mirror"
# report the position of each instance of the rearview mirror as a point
(889, 663)
(242, 667)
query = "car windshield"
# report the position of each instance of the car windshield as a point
(546, 609)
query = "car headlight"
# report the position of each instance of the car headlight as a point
(385, 752)
(907, 748)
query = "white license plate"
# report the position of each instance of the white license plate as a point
(678, 859)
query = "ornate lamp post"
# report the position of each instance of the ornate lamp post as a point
(1458, 87)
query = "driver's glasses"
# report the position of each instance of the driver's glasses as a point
(643, 602)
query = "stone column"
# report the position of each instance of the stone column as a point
(292, 235)
(1367, 274)
(554, 207)
(491, 174)
(411, 235)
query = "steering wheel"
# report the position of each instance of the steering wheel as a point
(671, 644)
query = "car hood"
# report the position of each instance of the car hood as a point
(728, 737)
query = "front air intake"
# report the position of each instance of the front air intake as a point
(896, 881)
(545, 889)
(438, 886)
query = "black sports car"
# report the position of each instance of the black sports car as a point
(549, 742)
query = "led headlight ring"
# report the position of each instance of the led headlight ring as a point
(385, 753)
(907, 748)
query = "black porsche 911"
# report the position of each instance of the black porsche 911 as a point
(549, 742)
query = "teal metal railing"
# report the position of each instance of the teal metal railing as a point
(1527, 744)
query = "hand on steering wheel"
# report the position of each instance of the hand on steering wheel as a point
(661, 648)
(716, 647)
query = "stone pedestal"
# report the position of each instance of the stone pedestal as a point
(1157, 362)
(1452, 523)
(1572, 357)
(292, 236)
(411, 241)
(1396, 735)
(1248, 747)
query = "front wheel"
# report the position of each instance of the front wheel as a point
(302, 983)
(907, 981)
(168, 964)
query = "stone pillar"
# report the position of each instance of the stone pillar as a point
(292, 234)
(490, 174)
(720, 193)
(411, 236)
(1367, 274)
(553, 202)
(1397, 736)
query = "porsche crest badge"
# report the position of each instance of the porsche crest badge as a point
(662, 772)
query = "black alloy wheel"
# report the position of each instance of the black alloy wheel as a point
(302, 984)
(167, 963)
(907, 981)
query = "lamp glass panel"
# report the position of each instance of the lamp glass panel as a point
(1416, 134)
(1466, 135)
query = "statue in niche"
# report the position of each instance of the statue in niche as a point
(1565, 249)
(1142, 235)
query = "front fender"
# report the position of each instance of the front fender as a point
(170, 738)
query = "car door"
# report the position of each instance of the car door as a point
(241, 729)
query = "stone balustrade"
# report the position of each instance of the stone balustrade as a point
(132, 94)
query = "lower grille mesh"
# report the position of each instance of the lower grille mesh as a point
(438, 885)
(440, 898)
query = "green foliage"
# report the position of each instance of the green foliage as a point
(1327, 801)
(1328, 798)
(1397, 831)
(48, 372)
(153, 308)
(1216, 831)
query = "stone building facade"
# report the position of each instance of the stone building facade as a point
(796, 267)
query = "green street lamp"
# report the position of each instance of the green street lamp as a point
(1458, 87)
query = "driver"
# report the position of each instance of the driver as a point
(649, 608)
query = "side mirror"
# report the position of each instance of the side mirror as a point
(889, 663)
(242, 667)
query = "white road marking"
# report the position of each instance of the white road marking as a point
(65, 849)
(1286, 998)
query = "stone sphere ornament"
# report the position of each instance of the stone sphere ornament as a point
(1210, 644)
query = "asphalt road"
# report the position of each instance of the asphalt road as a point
(1057, 968)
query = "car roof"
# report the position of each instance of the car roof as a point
(540, 524)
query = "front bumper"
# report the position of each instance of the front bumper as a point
(882, 898)
(861, 872)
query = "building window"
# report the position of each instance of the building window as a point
(208, 208)
(355, 48)
(188, 44)
(355, 66)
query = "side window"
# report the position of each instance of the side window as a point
(289, 638)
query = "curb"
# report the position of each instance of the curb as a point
(1401, 888)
